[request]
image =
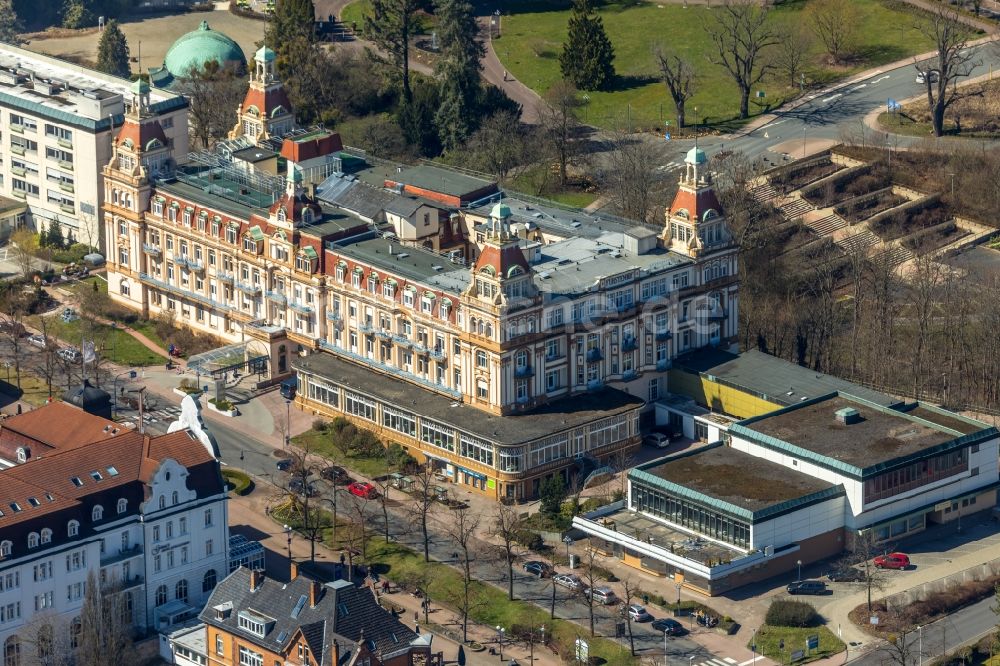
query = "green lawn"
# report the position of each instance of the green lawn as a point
(355, 13)
(321, 443)
(115, 344)
(768, 639)
(533, 36)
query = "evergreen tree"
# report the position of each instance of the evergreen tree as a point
(112, 51)
(587, 59)
(416, 118)
(390, 25)
(291, 25)
(457, 71)
(54, 236)
(77, 15)
(10, 24)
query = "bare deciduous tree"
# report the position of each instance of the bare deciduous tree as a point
(630, 176)
(864, 550)
(791, 52)
(506, 524)
(423, 502)
(678, 76)
(462, 530)
(835, 23)
(629, 590)
(502, 145)
(560, 124)
(214, 92)
(953, 61)
(106, 625)
(590, 579)
(742, 32)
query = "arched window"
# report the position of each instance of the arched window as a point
(123, 288)
(22, 454)
(161, 595)
(12, 651)
(181, 591)
(163, 502)
(43, 642)
(75, 629)
(46, 535)
(173, 498)
(122, 505)
(72, 528)
(5, 548)
(209, 581)
(97, 513)
(33, 540)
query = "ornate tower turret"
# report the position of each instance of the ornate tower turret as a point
(265, 111)
(694, 221)
(501, 272)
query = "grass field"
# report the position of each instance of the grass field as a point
(533, 36)
(321, 443)
(769, 638)
(354, 13)
(978, 115)
(118, 346)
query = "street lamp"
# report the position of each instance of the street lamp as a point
(664, 647)
(678, 599)
(288, 535)
(241, 455)
(690, 659)
(753, 648)
(567, 541)
(799, 564)
(288, 421)
(500, 632)
(920, 645)
(114, 386)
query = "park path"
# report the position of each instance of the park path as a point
(494, 72)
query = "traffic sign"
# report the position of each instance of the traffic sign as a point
(812, 642)
(798, 655)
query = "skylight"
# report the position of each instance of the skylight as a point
(33, 501)
(112, 471)
(299, 606)
(76, 481)
(15, 506)
(96, 475)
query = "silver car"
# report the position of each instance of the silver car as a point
(571, 581)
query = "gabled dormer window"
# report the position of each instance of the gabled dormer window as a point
(255, 624)
(249, 244)
(307, 216)
(73, 528)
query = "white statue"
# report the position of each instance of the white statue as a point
(190, 419)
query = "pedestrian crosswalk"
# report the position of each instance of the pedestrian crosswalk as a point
(722, 661)
(669, 166)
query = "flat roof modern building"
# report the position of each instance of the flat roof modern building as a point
(797, 484)
(59, 119)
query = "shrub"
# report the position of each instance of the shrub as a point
(239, 482)
(528, 539)
(222, 404)
(786, 613)
(320, 425)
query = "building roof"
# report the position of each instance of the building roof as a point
(747, 486)
(57, 425)
(413, 263)
(696, 203)
(311, 145)
(198, 47)
(253, 154)
(557, 416)
(356, 196)
(141, 133)
(882, 438)
(86, 98)
(270, 102)
(342, 612)
(771, 378)
(8, 206)
(450, 183)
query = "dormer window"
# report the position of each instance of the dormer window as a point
(307, 216)
(33, 540)
(249, 244)
(46, 535)
(122, 505)
(158, 206)
(5, 548)
(281, 215)
(97, 513)
(73, 528)
(23, 453)
(255, 624)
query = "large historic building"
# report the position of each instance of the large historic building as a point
(58, 119)
(503, 340)
(146, 516)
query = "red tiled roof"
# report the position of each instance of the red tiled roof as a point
(266, 101)
(695, 203)
(55, 426)
(502, 259)
(300, 151)
(141, 132)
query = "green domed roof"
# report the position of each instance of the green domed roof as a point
(500, 211)
(200, 46)
(696, 156)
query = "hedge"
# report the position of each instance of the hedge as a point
(239, 482)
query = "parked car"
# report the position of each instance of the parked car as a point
(333, 473)
(893, 561)
(931, 74)
(38, 340)
(69, 314)
(656, 439)
(570, 581)
(363, 489)
(669, 626)
(603, 595)
(70, 355)
(284, 464)
(846, 575)
(807, 587)
(638, 613)
(536, 568)
(296, 486)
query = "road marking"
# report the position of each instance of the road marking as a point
(776, 122)
(729, 660)
(859, 87)
(748, 662)
(881, 78)
(832, 97)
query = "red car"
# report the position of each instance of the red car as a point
(893, 561)
(363, 489)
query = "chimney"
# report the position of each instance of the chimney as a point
(336, 651)
(315, 593)
(256, 578)
(294, 572)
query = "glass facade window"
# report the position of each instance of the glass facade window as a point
(695, 517)
(510, 460)
(476, 449)
(437, 435)
(399, 420)
(609, 431)
(916, 475)
(549, 449)
(324, 393)
(359, 406)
